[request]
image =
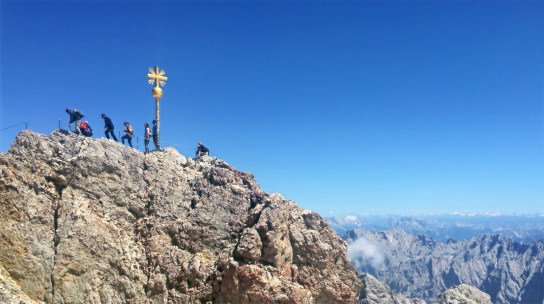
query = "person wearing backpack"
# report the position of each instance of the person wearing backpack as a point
(108, 127)
(86, 129)
(201, 150)
(75, 116)
(129, 134)
(147, 136)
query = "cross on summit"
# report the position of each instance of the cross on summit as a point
(157, 78)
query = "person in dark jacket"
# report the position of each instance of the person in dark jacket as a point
(156, 137)
(108, 127)
(75, 116)
(201, 150)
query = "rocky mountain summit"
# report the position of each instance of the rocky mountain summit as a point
(421, 267)
(87, 220)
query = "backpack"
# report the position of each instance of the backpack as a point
(86, 129)
(78, 113)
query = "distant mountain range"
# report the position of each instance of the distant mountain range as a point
(525, 229)
(418, 266)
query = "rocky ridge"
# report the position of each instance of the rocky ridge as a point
(421, 267)
(463, 294)
(376, 292)
(87, 220)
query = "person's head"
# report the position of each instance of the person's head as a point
(103, 115)
(154, 122)
(126, 123)
(68, 110)
(146, 125)
(200, 143)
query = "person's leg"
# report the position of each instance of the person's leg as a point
(113, 135)
(78, 124)
(146, 142)
(129, 141)
(123, 138)
(107, 135)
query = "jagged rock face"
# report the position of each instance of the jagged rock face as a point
(419, 266)
(376, 292)
(463, 294)
(92, 221)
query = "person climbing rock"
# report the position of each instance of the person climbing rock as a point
(108, 127)
(201, 150)
(75, 116)
(86, 129)
(129, 134)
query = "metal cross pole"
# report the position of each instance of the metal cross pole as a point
(158, 79)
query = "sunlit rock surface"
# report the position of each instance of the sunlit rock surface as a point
(87, 220)
(463, 294)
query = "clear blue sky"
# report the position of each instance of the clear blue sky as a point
(396, 107)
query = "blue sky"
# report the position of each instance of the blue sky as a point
(381, 107)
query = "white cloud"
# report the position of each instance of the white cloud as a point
(493, 214)
(363, 252)
(350, 218)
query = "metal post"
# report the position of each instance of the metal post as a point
(157, 78)
(158, 122)
(26, 125)
(59, 124)
(137, 142)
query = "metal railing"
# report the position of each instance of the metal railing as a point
(138, 138)
(16, 125)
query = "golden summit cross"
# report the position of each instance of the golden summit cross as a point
(157, 78)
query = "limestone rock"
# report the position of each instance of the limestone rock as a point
(463, 294)
(375, 292)
(422, 267)
(87, 220)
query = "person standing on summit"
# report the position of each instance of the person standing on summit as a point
(147, 136)
(75, 116)
(108, 127)
(156, 137)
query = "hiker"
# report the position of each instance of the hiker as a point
(156, 137)
(108, 127)
(129, 134)
(86, 129)
(75, 116)
(201, 150)
(147, 136)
